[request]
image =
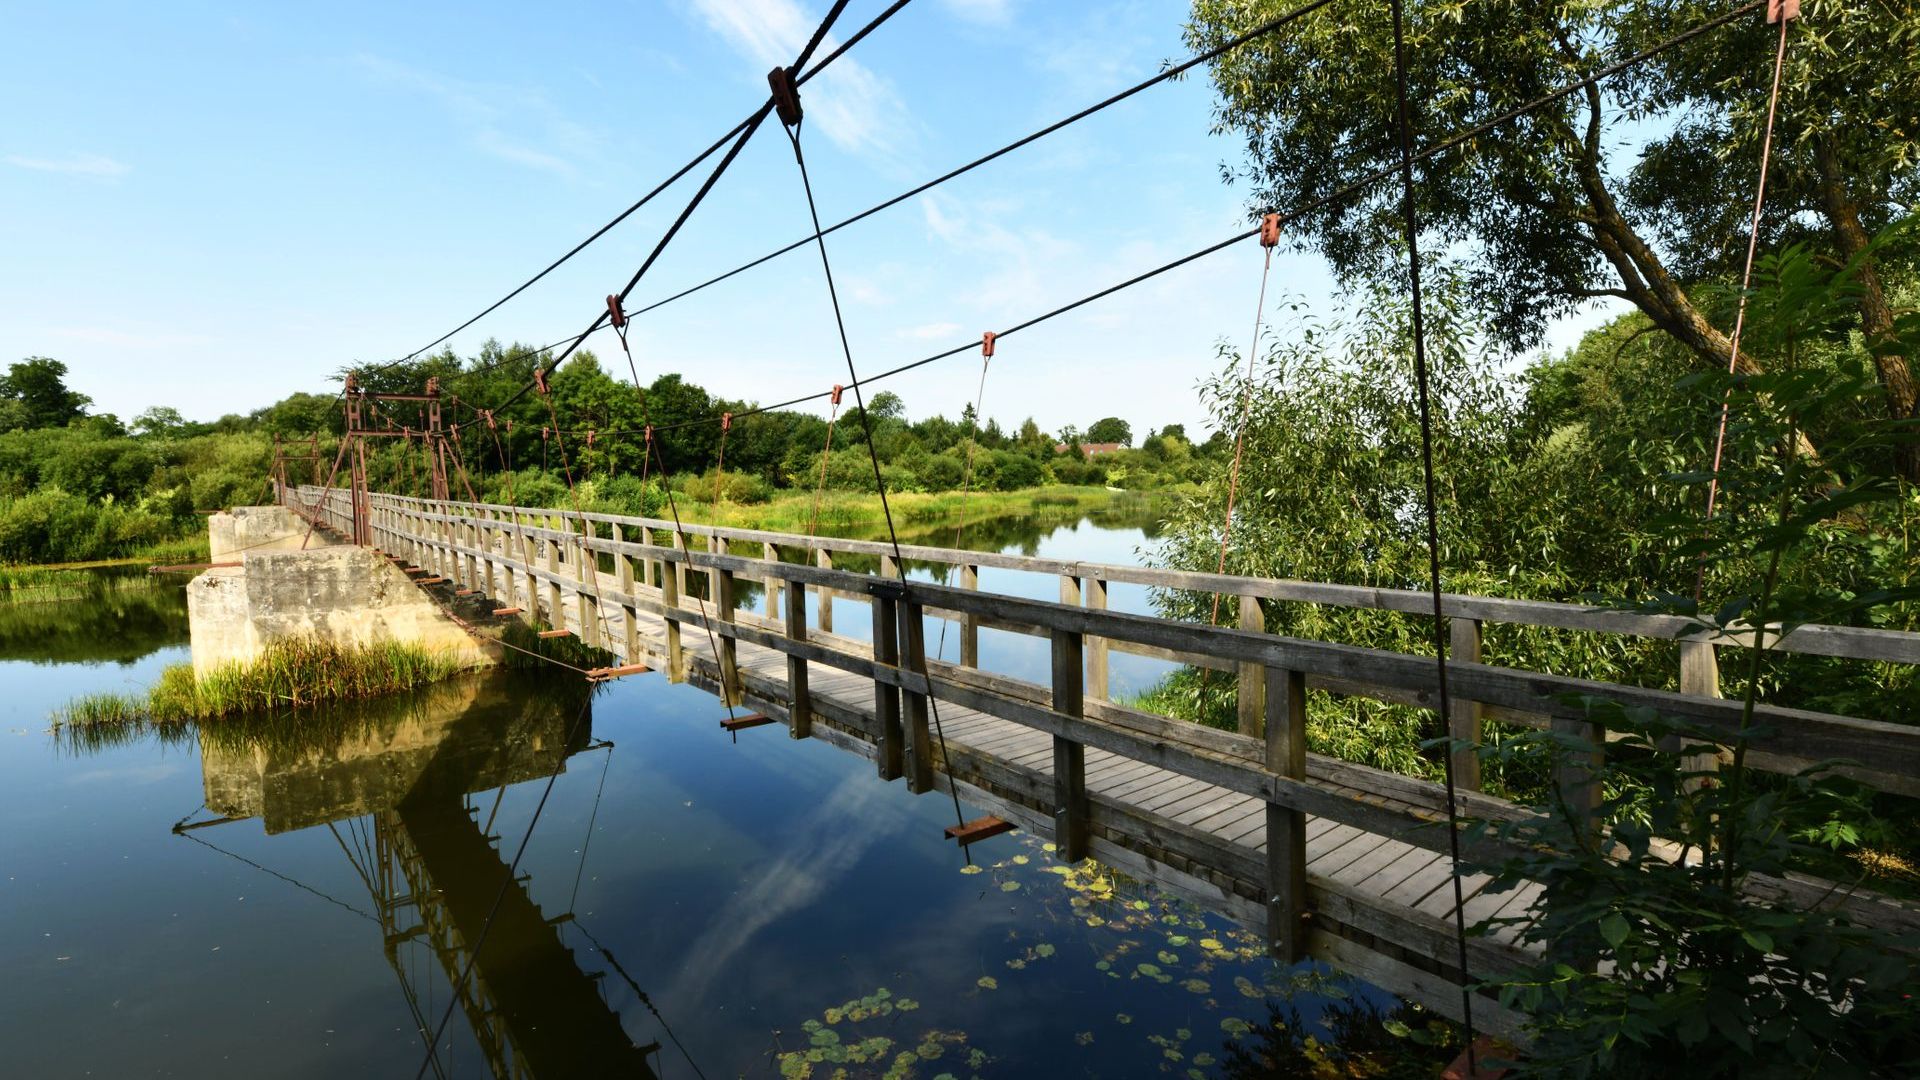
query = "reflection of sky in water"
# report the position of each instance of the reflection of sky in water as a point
(750, 888)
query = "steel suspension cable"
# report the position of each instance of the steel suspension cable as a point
(739, 143)
(826, 455)
(873, 453)
(1165, 75)
(1270, 231)
(1746, 280)
(813, 44)
(673, 506)
(1411, 225)
(1297, 212)
(966, 476)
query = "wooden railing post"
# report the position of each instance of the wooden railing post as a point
(586, 572)
(1700, 676)
(1096, 592)
(470, 559)
(1576, 774)
(969, 622)
(1286, 724)
(718, 546)
(889, 567)
(670, 585)
(800, 712)
(629, 616)
(1466, 717)
(1070, 804)
(1252, 691)
(913, 659)
(531, 615)
(825, 604)
(730, 688)
(485, 535)
(680, 568)
(890, 739)
(556, 600)
(770, 585)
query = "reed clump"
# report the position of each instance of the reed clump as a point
(290, 674)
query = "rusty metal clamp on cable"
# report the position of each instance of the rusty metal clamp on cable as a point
(1270, 231)
(786, 95)
(613, 311)
(986, 344)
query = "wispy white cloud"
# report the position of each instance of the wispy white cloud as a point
(855, 108)
(1025, 265)
(72, 164)
(509, 123)
(786, 885)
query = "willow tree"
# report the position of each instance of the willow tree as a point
(1638, 189)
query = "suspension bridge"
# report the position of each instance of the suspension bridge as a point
(1351, 864)
(1329, 859)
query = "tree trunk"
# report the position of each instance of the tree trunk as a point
(1876, 317)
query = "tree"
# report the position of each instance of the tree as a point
(1555, 210)
(37, 392)
(161, 420)
(1110, 429)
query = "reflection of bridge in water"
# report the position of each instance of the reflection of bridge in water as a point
(396, 791)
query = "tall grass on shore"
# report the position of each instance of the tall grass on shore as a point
(290, 674)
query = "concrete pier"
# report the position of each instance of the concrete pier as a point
(338, 593)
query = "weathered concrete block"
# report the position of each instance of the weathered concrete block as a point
(260, 528)
(342, 594)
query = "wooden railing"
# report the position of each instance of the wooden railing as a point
(617, 568)
(1085, 585)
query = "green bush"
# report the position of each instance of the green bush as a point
(626, 494)
(733, 487)
(52, 526)
(1007, 471)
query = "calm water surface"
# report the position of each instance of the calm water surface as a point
(687, 905)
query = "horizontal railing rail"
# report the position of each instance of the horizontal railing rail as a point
(1847, 642)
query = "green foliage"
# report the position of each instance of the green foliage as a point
(34, 394)
(53, 526)
(1654, 951)
(1109, 429)
(1556, 209)
(733, 487)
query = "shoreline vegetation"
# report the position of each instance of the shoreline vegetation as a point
(82, 486)
(298, 673)
(840, 512)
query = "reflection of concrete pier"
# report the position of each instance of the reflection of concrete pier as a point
(392, 783)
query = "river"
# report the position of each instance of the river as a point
(300, 895)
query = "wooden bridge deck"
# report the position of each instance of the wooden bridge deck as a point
(1328, 859)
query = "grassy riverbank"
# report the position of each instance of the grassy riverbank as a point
(845, 512)
(295, 673)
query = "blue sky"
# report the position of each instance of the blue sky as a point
(210, 206)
